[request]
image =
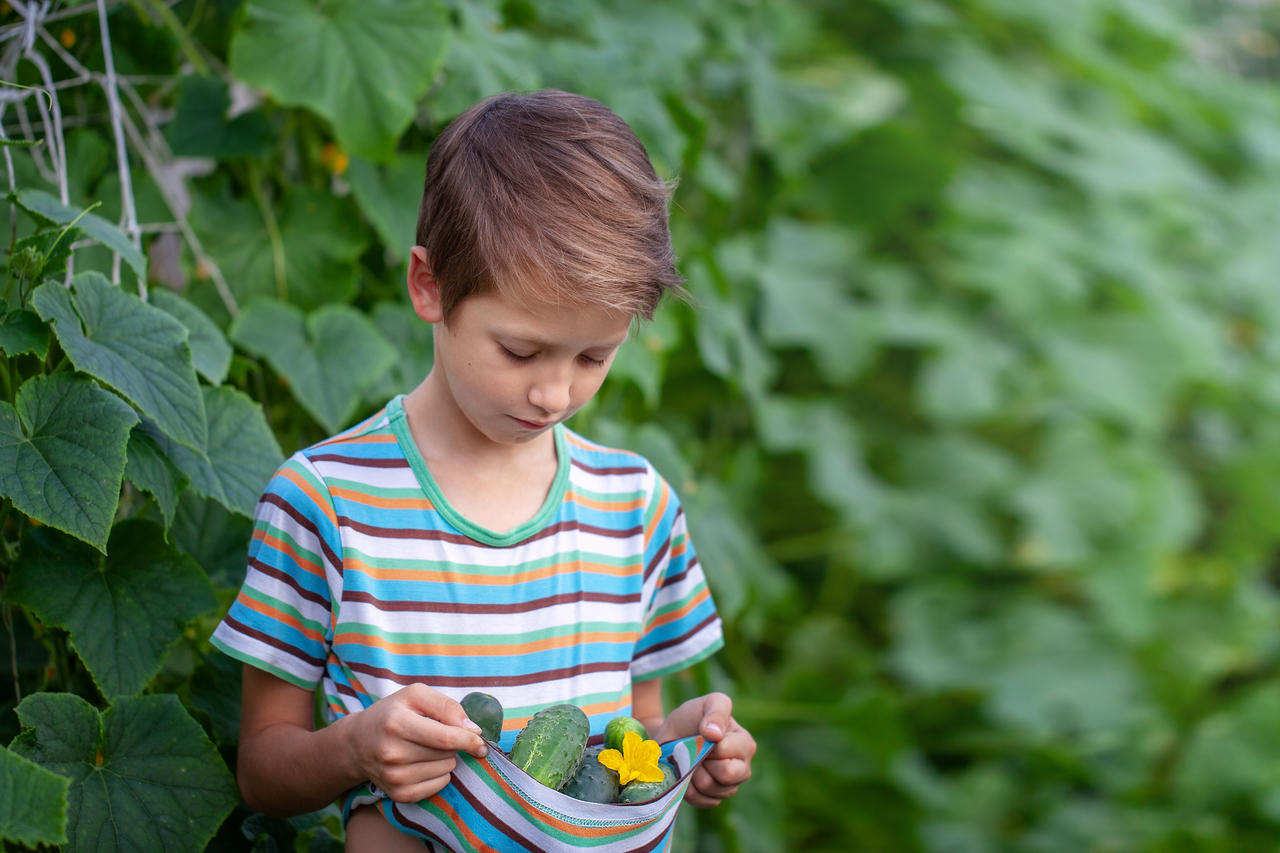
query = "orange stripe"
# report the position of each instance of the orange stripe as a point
(278, 616)
(607, 506)
(663, 499)
(458, 825)
(480, 649)
(366, 499)
(448, 576)
(342, 438)
(319, 500)
(287, 547)
(676, 614)
(515, 724)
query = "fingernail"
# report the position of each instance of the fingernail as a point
(470, 724)
(484, 750)
(714, 729)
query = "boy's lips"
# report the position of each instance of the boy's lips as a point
(531, 424)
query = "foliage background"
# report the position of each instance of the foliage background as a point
(974, 411)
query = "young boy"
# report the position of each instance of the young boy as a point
(463, 538)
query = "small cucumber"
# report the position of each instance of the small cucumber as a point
(486, 712)
(642, 792)
(551, 744)
(592, 781)
(618, 727)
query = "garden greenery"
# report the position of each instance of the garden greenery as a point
(975, 408)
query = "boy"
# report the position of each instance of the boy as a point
(462, 538)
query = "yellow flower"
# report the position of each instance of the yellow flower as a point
(638, 760)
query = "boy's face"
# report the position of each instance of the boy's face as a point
(514, 369)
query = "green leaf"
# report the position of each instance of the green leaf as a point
(143, 774)
(22, 332)
(200, 126)
(150, 470)
(328, 357)
(214, 537)
(210, 352)
(319, 243)
(33, 802)
(62, 454)
(240, 457)
(42, 204)
(389, 197)
(123, 610)
(135, 348)
(361, 64)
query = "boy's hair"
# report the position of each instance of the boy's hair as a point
(546, 196)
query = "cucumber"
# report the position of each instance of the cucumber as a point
(486, 712)
(642, 792)
(551, 744)
(592, 781)
(618, 727)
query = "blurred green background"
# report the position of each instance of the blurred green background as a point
(975, 409)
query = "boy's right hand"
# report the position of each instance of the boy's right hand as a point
(407, 743)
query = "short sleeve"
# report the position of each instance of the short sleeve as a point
(282, 619)
(681, 625)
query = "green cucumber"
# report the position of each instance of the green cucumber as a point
(641, 792)
(618, 727)
(551, 744)
(486, 712)
(592, 781)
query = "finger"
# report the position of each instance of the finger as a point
(442, 738)
(705, 791)
(729, 772)
(445, 725)
(716, 711)
(405, 776)
(737, 743)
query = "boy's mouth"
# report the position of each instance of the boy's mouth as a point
(531, 424)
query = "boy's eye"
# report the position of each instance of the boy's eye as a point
(593, 362)
(515, 355)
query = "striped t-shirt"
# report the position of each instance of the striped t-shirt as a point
(363, 579)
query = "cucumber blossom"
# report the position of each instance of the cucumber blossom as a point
(486, 712)
(618, 728)
(551, 744)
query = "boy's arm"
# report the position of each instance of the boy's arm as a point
(405, 743)
(728, 764)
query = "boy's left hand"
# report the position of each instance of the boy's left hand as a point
(728, 764)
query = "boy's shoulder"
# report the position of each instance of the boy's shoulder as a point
(596, 458)
(371, 442)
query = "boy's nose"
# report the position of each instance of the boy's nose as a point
(550, 394)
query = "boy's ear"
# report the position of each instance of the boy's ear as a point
(424, 290)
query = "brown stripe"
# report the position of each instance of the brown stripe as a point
(481, 680)
(306, 524)
(290, 581)
(477, 607)
(361, 461)
(628, 469)
(682, 638)
(274, 642)
(458, 539)
(657, 558)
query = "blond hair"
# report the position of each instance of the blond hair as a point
(546, 196)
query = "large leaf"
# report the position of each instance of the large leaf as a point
(122, 610)
(210, 352)
(150, 470)
(328, 357)
(143, 774)
(240, 457)
(362, 64)
(42, 204)
(33, 802)
(214, 536)
(201, 128)
(62, 454)
(411, 338)
(389, 197)
(22, 332)
(318, 246)
(134, 347)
